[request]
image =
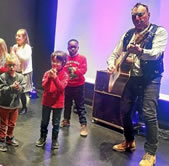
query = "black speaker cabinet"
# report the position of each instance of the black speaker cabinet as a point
(105, 105)
(102, 81)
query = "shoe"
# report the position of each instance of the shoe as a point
(23, 111)
(3, 147)
(65, 123)
(40, 142)
(83, 131)
(75, 111)
(12, 141)
(55, 144)
(148, 160)
(124, 146)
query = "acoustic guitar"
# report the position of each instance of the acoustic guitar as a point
(120, 77)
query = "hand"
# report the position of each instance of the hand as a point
(134, 49)
(16, 85)
(52, 72)
(72, 69)
(111, 69)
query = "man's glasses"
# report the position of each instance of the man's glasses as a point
(137, 14)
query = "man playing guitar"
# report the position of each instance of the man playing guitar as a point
(145, 73)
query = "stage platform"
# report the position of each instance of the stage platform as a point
(94, 150)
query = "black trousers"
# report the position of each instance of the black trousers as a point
(56, 116)
(149, 91)
(75, 94)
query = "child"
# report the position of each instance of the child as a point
(54, 82)
(23, 51)
(11, 86)
(3, 54)
(76, 67)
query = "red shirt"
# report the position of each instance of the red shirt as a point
(3, 69)
(80, 63)
(53, 95)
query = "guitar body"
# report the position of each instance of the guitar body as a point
(120, 77)
(117, 83)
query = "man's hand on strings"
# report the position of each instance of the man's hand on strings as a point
(134, 49)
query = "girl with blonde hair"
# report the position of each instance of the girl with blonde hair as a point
(23, 51)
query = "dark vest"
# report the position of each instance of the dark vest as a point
(150, 68)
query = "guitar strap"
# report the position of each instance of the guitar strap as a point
(150, 68)
(148, 37)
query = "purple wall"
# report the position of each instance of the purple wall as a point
(99, 24)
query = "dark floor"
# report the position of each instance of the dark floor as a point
(94, 150)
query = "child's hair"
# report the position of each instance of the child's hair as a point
(59, 55)
(25, 35)
(73, 40)
(3, 47)
(11, 59)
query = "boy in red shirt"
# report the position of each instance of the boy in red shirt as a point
(54, 82)
(76, 67)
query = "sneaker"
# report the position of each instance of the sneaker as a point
(23, 111)
(12, 141)
(124, 146)
(40, 142)
(65, 123)
(83, 131)
(55, 144)
(75, 110)
(3, 147)
(148, 160)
